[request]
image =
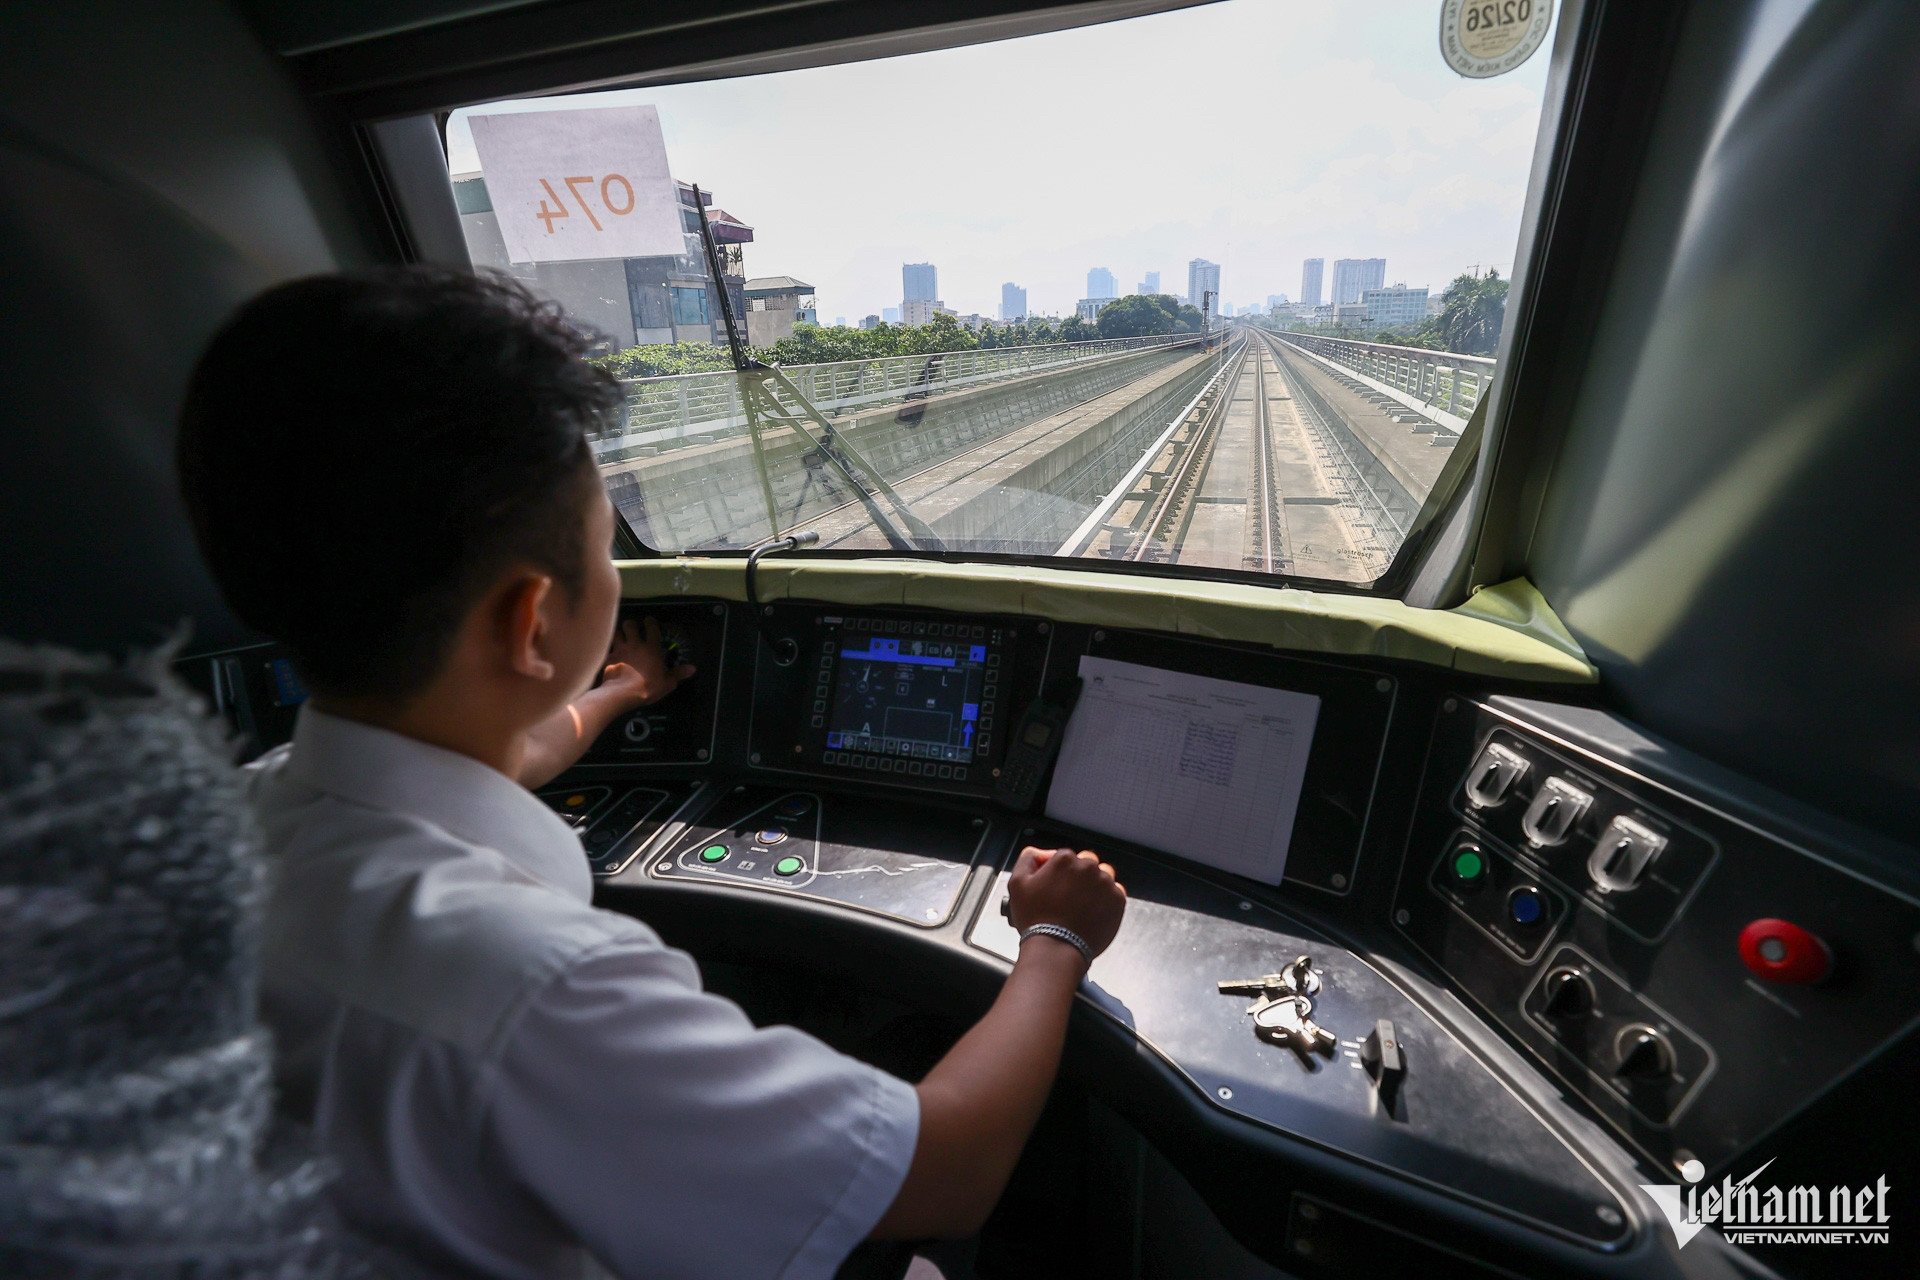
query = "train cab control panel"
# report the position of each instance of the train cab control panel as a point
(1503, 953)
(1695, 970)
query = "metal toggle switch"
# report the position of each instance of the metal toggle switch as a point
(1554, 812)
(1625, 850)
(1494, 774)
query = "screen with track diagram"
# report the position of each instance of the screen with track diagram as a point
(925, 693)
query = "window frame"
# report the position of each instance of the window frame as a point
(1476, 499)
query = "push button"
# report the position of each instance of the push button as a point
(788, 866)
(714, 853)
(791, 807)
(1781, 951)
(1469, 868)
(770, 835)
(1526, 905)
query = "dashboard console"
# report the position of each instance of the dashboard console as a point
(1521, 958)
(1695, 969)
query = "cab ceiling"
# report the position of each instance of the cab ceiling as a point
(379, 60)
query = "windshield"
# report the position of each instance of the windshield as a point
(1215, 289)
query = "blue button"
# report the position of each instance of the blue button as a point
(1526, 905)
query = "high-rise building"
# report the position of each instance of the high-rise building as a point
(919, 311)
(1310, 281)
(1013, 302)
(1354, 276)
(1101, 284)
(1203, 277)
(890, 315)
(1275, 301)
(919, 282)
(1396, 306)
(1151, 285)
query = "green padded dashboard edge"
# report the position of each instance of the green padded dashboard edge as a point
(1507, 630)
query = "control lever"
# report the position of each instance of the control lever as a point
(1385, 1062)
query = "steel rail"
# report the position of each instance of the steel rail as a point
(1173, 504)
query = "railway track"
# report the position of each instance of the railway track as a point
(1384, 508)
(1160, 534)
(1264, 514)
(982, 454)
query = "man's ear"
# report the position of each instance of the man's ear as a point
(525, 613)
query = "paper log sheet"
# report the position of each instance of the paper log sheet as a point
(1207, 769)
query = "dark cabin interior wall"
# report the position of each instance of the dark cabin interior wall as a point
(1733, 526)
(156, 169)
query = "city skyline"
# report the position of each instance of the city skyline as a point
(1142, 192)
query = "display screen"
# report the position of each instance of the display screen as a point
(922, 696)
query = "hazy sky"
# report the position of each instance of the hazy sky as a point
(1254, 133)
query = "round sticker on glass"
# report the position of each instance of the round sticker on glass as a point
(1481, 38)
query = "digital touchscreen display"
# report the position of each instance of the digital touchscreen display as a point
(912, 694)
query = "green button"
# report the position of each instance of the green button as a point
(788, 867)
(714, 853)
(1468, 866)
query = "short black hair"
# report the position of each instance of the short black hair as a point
(362, 455)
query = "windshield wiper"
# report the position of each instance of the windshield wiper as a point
(848, 462)
(845, 459)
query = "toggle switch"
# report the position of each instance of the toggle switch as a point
(1494, 775)
(1555, 810)
(1569, 994)
(1642, 1054)
(1623, 853)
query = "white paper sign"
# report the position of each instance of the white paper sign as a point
(1204, 768)
(574, 185)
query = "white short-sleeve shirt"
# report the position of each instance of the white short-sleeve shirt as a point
(515, 1083)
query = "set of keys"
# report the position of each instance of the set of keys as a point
(1282, 1009)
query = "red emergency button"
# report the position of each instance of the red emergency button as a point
(1781, 951)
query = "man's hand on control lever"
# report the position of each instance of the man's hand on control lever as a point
(636, 675)
(979, 1103)
(1075, 890)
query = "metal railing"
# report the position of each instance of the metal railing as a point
(667, 410)
(1445, 380)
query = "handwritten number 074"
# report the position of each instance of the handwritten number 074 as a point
(609, 185)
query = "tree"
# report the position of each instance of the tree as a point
(1471, 310)
(1137, 315)
(1074, 329)
(666, 358)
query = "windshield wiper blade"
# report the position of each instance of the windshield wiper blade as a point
(848, 462)
(828, 445)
